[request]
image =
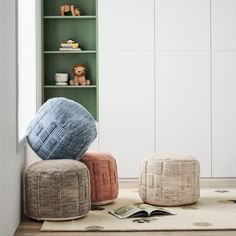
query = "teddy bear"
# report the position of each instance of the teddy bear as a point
(79, 72)
(69, 8)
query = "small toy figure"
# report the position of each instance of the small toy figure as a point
(69, 8)
(69, 41)
(79, 72)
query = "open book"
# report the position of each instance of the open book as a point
(139, 210)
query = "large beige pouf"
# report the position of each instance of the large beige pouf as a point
(57, 190)
(169, 180)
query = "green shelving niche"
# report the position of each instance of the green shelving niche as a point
(57, 31)
(63, 63)
(82, 29)
(52, 7)
(84, 96)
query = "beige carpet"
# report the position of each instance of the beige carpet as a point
(213, 211)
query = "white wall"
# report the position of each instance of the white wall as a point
(27, 68)
(11, 160)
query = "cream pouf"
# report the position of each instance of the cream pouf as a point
(169, 180)
(57, 190)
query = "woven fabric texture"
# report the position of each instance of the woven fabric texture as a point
(62, 129)
(103, 176)
(169, 180)
(57, 190)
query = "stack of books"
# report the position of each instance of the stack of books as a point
(69, 46)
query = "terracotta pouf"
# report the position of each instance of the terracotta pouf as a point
(57, 190)
(103, 177)
(169, 180)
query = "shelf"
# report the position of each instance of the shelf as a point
(82, 29)
(69, 17)
(70, 51)
(70, 86)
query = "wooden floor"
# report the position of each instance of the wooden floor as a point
(32, 228)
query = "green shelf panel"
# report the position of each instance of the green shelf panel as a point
(52, 7)
(57, 32)
(69, 51)
(63, 63)
(69, 17)
(86, 97)
(56, 29)
(69, 87)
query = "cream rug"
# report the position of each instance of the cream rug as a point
(214, 210)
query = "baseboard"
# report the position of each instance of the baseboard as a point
(204, 183)
(218, 183)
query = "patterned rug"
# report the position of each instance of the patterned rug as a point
(216, 209)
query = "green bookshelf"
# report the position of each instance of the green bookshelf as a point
(57, 29)
(69, 17)
(63, 52)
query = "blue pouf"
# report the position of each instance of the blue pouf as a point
(62, 129)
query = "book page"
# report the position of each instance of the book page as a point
(151, 210)
(128, 211)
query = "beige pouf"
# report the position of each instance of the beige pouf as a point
(57, 190)
(169, 180)
(103, 177)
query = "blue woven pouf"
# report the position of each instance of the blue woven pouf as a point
(62, 129)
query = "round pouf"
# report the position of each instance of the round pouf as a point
(103, 177)
(57, 190)
(169, 180)
(62, 129)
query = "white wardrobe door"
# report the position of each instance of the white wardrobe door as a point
(126, 25)
(183, 24)
(183, 106)
(126, 108)
(224, 24)
(95, 144)
(224, 114)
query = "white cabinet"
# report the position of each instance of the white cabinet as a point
(126, 108)
(95, 144)
(224, 114)
(183, 105)
(183, 99)
(159, 90)
(182, 24)
(224, 24)
(126, 81)
(126, 25)
(223, 88)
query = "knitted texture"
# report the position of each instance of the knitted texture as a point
(57, 190)
(62, 129)
(169, 180)
(103, 176)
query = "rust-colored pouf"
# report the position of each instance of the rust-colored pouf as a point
(57, 190)
(169, 180)
(103, 177)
